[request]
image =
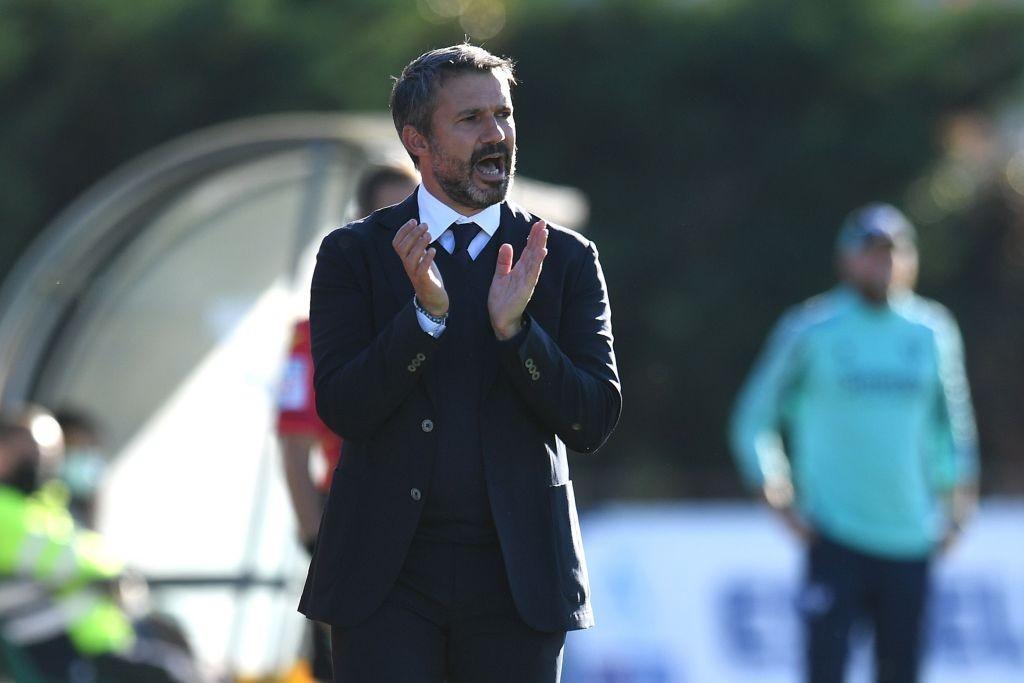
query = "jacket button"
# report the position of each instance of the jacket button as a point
(420, 357)
(427, 426)
(576, 426)
(415, 494)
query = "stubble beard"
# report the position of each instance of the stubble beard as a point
(455, 176)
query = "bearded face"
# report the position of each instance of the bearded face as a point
(469, 152)
(479, 181)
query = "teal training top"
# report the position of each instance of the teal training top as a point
(872, 407)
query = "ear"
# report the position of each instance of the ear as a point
(415, 142)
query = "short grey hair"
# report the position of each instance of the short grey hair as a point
(414, 95)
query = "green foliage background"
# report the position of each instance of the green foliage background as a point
(720, 143)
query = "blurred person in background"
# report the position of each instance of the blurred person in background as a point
(300, 430)
(383, 186)
(458, 375)
(60, 616)
(83, 465)
(856, 426)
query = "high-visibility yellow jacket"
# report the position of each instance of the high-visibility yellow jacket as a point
(52, 577)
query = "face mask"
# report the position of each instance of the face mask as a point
(82, 471)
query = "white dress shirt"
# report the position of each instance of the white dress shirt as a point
(439, 217)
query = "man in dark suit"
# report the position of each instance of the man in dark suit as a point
(457, 374)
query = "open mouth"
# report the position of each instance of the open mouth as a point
(492, 167)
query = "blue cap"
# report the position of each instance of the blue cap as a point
(874, 222)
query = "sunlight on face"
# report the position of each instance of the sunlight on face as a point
(473, 139)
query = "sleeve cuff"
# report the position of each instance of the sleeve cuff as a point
(517, 340)
(429, 326)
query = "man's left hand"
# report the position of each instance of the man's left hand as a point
(963, 501)
(512, 288)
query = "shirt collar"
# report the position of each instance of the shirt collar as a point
(439, 216)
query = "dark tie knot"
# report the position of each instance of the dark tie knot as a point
(464, 234)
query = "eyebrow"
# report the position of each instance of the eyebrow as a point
(477, 110)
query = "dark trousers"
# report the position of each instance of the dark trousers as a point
(320, 652)
(320, 638)
(845, 587)
(450, 618)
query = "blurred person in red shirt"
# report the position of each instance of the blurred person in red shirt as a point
(299, 428)
(301, 432)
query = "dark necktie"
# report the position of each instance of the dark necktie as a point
(464, 234)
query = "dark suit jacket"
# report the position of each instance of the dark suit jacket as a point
(553, 386)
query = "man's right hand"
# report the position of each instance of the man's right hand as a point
(796, 524)
(780, 497)
(411, 244)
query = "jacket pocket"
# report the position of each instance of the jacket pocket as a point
(572, 566)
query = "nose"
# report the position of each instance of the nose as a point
(494, 131)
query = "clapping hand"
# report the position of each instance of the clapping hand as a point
(411, 244)
(512, 287)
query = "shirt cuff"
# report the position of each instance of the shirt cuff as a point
(429, 326)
